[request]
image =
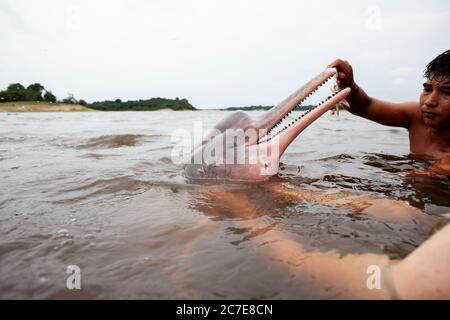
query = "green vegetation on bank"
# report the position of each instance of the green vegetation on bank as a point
(142, 105)
(34, 92)
(257, 108)
(16, 94)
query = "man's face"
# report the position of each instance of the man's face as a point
(435, 103)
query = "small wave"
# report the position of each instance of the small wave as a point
(98, 156)
(160, 148)
(391, 163)
(114, 187)
(339, 158)
(13, 139)
(3, 202)
(165, 160)
(333, 129)
(383, 186)
(162, 165)
(387, 157)
(112, 141)
(100, 187)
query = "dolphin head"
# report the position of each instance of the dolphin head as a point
(241, 148)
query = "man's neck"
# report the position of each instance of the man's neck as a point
(441, 136)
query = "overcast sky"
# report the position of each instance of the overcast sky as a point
(217, 53)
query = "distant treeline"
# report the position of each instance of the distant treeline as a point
(247, 108)
(37, 93)
(34, 92)
(142, 105)
(254, 108)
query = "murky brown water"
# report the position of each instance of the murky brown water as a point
(99, 190)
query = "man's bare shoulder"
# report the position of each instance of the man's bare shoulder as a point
(412, 110)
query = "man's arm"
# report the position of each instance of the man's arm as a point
(424, 273)
(385, 113)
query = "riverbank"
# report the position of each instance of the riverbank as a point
(29, 106)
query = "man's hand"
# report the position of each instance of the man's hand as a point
(345, 73)
(385, 113)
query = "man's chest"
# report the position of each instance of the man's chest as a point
(423, 141)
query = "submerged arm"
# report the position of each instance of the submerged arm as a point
(332, 275)
(425, 273)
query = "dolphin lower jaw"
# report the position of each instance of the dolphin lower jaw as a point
(294, 129)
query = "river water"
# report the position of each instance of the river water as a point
(99, 190)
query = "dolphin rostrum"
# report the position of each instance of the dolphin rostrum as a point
(240, 148)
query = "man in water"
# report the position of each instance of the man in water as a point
(427, 120)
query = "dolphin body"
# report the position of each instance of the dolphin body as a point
(240, 148)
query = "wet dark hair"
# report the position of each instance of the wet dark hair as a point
(439, 67)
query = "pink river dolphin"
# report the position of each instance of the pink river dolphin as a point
(240, 148)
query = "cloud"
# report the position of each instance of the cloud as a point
(400, 76)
